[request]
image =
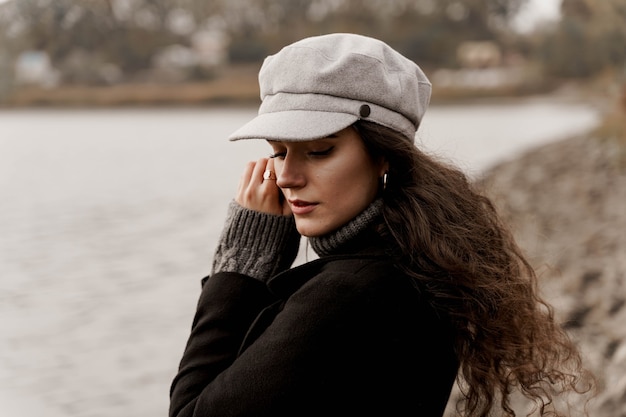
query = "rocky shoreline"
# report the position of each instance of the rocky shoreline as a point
(566, 203)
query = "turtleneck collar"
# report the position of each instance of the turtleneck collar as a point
(328, 244)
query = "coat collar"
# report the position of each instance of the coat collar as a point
(287, 282)
(367, 244)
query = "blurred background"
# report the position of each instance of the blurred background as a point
(109, 52)
(115, 173)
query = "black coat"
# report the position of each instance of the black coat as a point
(344, 335)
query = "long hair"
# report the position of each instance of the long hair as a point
(449, 238)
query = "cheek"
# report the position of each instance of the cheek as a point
(353, 188)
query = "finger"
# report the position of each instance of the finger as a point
(269, 198)
(269, 175)
(244, 181)
(269, 191)
(257, 173)
(284, 205)
(253, 194)
(246, 174)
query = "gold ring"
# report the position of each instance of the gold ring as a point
(269, 175)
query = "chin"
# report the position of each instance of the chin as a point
(312, 229)
(309, 233)
(308, 230)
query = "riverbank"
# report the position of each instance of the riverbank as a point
(238, 85)
(566, 202)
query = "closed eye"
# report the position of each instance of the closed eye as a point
(323, 152)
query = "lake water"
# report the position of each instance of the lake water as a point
(108, 221)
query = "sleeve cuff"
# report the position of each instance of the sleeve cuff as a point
(256, 244)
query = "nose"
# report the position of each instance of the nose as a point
(290, 173)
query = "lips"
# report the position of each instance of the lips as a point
(300, 207)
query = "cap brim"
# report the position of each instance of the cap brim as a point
(294, 125)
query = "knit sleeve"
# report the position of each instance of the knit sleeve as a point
(256, 244)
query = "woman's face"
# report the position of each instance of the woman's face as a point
(326, 181)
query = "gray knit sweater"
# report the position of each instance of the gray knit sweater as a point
(261, 245)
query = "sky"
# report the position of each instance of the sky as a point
(537, 11)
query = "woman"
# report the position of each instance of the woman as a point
(417, 280)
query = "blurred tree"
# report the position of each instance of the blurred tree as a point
(245, 24)
(590, 38)
(6, 71)
(425, 30)
(578, 9)
(82, 36)
(68, 28)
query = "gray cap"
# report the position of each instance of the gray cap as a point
(320, 85)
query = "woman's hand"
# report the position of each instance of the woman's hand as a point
(256, 192)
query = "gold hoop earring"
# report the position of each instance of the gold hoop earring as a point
(385, 177)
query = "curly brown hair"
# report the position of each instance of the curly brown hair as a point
(450, 238)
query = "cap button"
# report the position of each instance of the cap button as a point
(365, 110)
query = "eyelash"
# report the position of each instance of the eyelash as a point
(312, 153)
(322, 153)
